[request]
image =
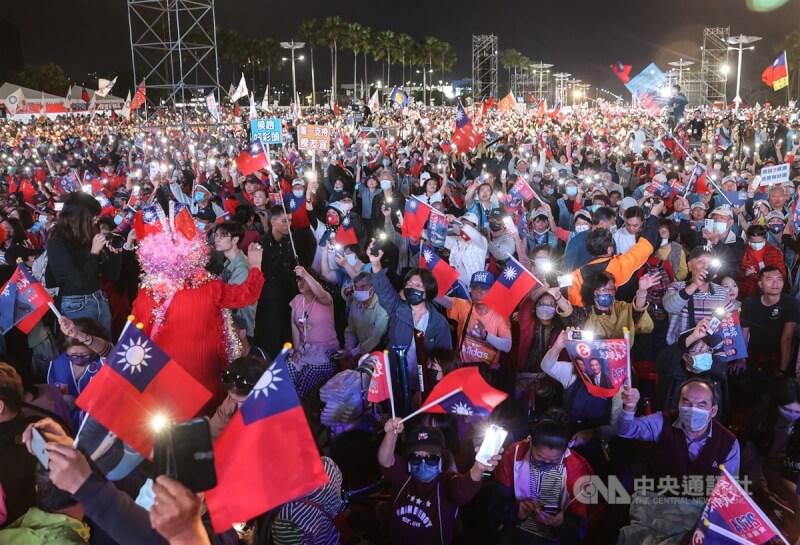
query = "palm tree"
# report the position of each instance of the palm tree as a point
(229, 45)
(309, 32)
(367, 48)
(384, 42)
(271, 56)
(355, 39)
(332, 33)
(404, 45)
(511, 58)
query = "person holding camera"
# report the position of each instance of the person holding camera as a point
(77, 255)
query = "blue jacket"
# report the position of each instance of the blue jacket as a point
(575, 254)
(401, 322)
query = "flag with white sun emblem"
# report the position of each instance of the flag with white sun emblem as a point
(465, 393)
(513, 283)
(138, 382)
(346, 234)
(266, 455)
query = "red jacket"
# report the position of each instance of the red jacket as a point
(747, 277)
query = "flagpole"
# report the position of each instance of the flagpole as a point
(387, 369)
(432, 404)
(521, 266)
(725, 533)
(627, 334)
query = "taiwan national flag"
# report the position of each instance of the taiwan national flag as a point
(415, 216)
(137, 383)
(776, 75)
(445, 274)
(465, 136)
(252, 480)
(513, 283)
(730, 516)
(520, 193)
(23, 301)
(85, 95)
(623, 71)
(346, 234)
(147, 221)
(698, 180)
(140, 97)
(380, 385)
(252, 159)
(473, 396)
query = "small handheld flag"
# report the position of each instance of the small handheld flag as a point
(444, 273)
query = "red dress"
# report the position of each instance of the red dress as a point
(192, 332)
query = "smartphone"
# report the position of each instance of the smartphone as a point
(184, 452)
(578, 335)
(136, 189)
(565, 281)
(709, 225)
(717, 316)
(492, 443)
(38, 448)
(58, 206)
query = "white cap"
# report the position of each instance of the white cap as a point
(470, 217)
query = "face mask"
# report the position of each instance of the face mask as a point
(543, 466)
(414, 296)
(701, 362)
(540, 262)
(545, 312)
(117, 220)
(386, 184)
(352, 259)
(626, 169)
(572, 191)
(581, 228)
(720, 227)
(776, 228)
(548, 191)
(664, 242)
(718, 156)
(82, 360)
(613, 229)
(694, 419)
(757, 246)
(495, 227)
(332, 219)
(298, 193)
(603, 299)
(423, 472)
(789, 416)
(651, 158)
(361, 295)
(537, 179)
(199, 196)
(594, 207)
(35, 227)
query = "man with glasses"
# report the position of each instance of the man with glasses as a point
(226, 240)
(238, 381)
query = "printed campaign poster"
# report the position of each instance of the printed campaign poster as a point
(602, 364)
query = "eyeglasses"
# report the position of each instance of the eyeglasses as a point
(229, 378)
(429, 459)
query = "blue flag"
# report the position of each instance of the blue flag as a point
(398, 97)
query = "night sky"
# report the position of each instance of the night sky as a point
(578, 36)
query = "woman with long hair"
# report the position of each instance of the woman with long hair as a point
(77, 254)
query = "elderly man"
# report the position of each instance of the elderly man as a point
(727, 246)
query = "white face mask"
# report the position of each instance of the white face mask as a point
(386, 184)
(720, 226)
(694, 419)
(581, 228)
(664, 242)
(361, 295)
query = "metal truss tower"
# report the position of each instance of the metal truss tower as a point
(174, 48)
(714, 65)
(484, 66)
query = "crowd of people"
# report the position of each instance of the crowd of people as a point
(660, 227)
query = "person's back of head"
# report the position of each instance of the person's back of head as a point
(11, 392)
(598, 242)
(50, 498)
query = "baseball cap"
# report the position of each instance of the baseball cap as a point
(299, 181)
(584, 214)
(424, 177)
(497, 214)
(484, 279)
(470, 217)
(723, 210)
(627, 202)
(699, 204)
(430, 440)
(776, 214)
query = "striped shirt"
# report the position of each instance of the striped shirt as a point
(676, 303)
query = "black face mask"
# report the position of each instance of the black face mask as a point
(495, 227)
(414, 296)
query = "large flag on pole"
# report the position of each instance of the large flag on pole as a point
(265, 100)
(776, 75)
(374, 102)
(253, 113)
(465, 136)
(507, 102)
(15, 101)
(138, 383)
(105, 86)
(68, 99)
(241, 90)
(253, 480)
(211, 106)
(623, 71)
(126, 108)
(140, 97)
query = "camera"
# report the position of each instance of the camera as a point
(115, 240)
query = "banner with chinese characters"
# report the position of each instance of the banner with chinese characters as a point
(602, 364)
(313, 137)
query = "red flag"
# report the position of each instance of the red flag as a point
(416, 214)
(139, 98)
(236, 110)
(445, 274)
(623, 71)
(507, 102)
(85, 95)
(346, 235)
(775, 75)
(473, 395)
(249, 161)
(514, 283)
(184, 223)
(542, 107)
(147, 221)
(380, 388)
(465, 136)
(137, 383)
(23, 301)
(251, 481)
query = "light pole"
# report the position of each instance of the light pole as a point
(740, 41)
(561, 78)
(293, 45)
(679, 65)
(541, 67)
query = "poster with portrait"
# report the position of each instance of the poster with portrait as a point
(602, 364)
